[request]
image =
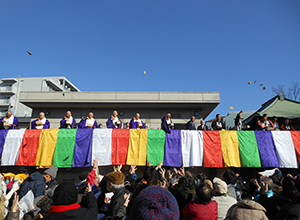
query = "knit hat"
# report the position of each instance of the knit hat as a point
(220, 185)
(155, 202)
(65, 194)
(83, 175)
(116, 178)
(52, 171)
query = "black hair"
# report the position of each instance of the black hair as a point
(229, 177)
(268, 181)
(265, 115)
(217, 115)
(150, 172)
(289, 187)
(187, 182)
(277, 178)
(204, 193)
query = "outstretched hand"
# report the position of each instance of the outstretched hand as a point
(132, 168)
(118, 168)
(15, 203)
(127, 199)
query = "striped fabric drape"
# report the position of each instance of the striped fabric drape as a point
(78, 148)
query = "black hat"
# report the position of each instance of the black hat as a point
(65, 194)
(83, 175)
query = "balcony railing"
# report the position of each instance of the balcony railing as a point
(5, 88)
(4, 101)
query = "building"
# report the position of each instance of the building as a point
(11, 88)
(151, 105)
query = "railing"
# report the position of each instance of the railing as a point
(5, 88)
(4, 101)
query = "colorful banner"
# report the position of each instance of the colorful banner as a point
(78, 148)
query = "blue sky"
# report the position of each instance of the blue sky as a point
(185, 46)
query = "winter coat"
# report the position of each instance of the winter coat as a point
(290, 211)
(224, 203)
(246, 210)
(198, 211)
(35, 182)
(117, 200)
(88, 210)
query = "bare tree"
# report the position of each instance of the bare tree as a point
(292, 93)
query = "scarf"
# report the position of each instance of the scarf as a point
(69, 120)
(9, 120)
(43, 121)
(114, 120)
(63, 208)
(169, 121)
(89, 121)
(137, 120)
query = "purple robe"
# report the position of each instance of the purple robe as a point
(45, 126)
(83, 122)
(165, 126)
(135, 124)
(15, 122)
(64, 125)
(109, 123)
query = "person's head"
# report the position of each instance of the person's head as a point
(50, 174)
(289, 187)
(229, 177)
(266, 116)
(137, 116)
(115, 113)
(65, 194)
(220, 186)
(240, 115)
(154, 203)
(83, 175)
(187, 182)
(150, 172)
(218, 117)
(8, 114)
(193, 118)
(268, 181)
(286, 121)
(91, 115)
(41, 115)
(100, 125)
(204, 193)
(274, 119)
(202, 122)
(68, 114)
(168, 115)
(127, 125)
(115, 181)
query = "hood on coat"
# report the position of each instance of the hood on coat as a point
(250, 204)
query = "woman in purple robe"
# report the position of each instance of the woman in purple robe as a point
(136, 122)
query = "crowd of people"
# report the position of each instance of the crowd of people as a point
(264, 123)
(160, 193)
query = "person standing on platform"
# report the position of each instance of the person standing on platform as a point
(202, 125)
(68, 121)
(166, 123)
(191, 125)
(41, 122)
(9, 121)
(114, 121)
(238, 121)
(136, 122)
(286, 126)
(89, 122)
(127, 125)
(218, 124)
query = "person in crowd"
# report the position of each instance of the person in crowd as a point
(114, 121)
(264, 123)
(65, 204)
(37, 182)
(184, 191)
(127, 125)
(89, 122)
(278, 200)
(275, 123)
(233, 190)
(115, 184)
(41, 122)
(166, 123)
(9, 121)
(224, 201)
(238, 121)
(246, 209)
(136, 122)
(203, 207)
(202, 125)
(218, 124)
(191, 124)
(100, 126)
(68, 121)
(265, 183)
(286, 125)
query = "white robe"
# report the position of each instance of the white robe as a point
(41, 126)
